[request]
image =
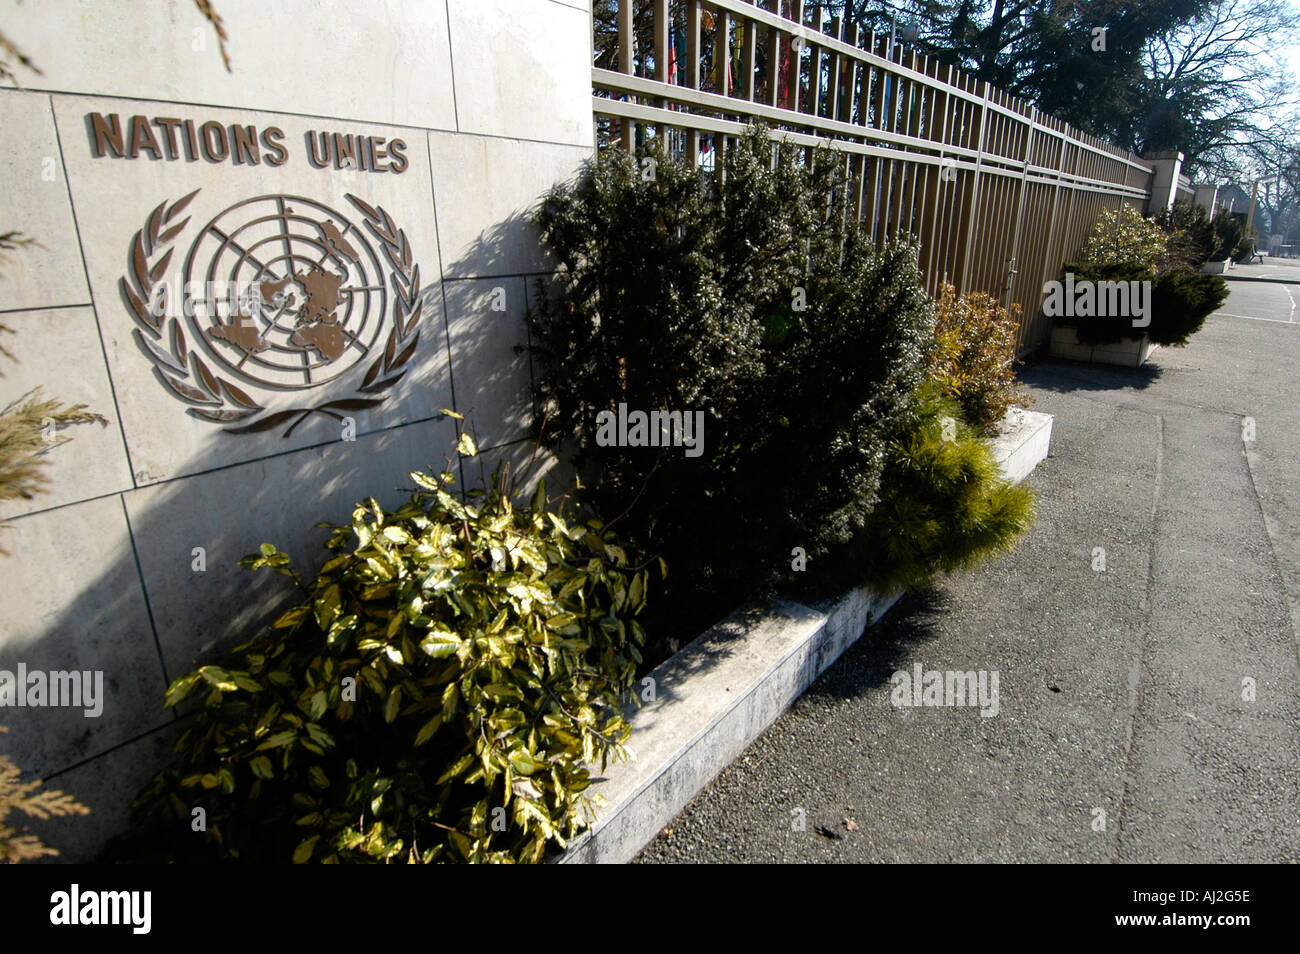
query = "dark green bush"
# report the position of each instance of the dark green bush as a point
(754, 302)
(1231, 240)
(1192, 239)
(433, 698)
(1180, 301)
(944, 503)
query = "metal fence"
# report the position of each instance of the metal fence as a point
(997, 194)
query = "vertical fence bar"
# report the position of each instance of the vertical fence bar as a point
(661, 27)
(1020, 204)
(627, 62)
(796, 60)
(773, 78)
(815, 66)
(975, 190)
(834, 29)
(749, 59)
(855, 75)
(693, 70)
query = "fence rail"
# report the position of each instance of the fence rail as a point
(998, 194)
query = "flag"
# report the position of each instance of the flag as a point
(737, 58)
(672, 57)
(783, 71)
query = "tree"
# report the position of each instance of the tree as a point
(1069, 57)
(1200, 76)
(1277, 167)
(1217, 84)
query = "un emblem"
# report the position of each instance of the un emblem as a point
(275, 294)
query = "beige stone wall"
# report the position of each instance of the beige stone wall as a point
(491, 101)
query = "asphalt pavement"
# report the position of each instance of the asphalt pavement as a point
(1143, 634)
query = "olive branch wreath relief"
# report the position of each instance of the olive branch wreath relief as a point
(185, 374)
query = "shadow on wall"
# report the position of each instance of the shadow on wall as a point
(187, 535)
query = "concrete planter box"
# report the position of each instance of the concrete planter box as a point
(1128, 352)
(715, 696)
(1216, 268)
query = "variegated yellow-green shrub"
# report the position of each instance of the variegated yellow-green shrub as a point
(437, 696)
(974, 355)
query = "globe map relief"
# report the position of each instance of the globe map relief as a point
(294, 293)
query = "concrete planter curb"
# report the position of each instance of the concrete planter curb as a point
(1128, 353)
(715, 696)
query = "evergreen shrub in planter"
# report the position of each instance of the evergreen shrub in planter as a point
(1180, 301)
(1165, 251)
(756, 304)
(944, 504)
(1231, 241)
(760, 304)
(1191, 238)
(435, 696)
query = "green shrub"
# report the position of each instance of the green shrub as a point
(1191, 237)
(1125, 237)
(752, 302)
(1180, 301)
(974, 355)
(435, 696)
(1230, 237)
(944, 503)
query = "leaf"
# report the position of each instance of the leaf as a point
(500, 691)
(393, 704)
(563, 623)
(424, 481)
(179, 689)
(440, 643)
(317, 705)
(458, 769)
(523, 762)
(327, 606)
(261, 767)
(396, 535)
(302, 854)
(428, 729)
(466, 445)
(293, 616)
(278, 740)
(218, 678)
(525, 788)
